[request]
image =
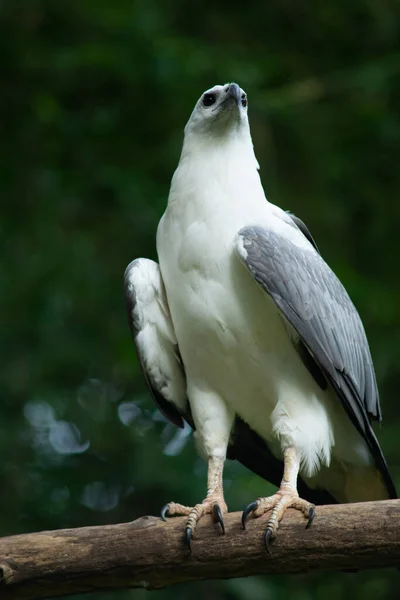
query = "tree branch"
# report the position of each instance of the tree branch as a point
(151, 554)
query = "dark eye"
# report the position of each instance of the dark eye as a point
(209, 99)
(244, 100)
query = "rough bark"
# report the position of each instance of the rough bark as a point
(151, 554)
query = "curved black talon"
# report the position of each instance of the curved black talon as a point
(218, 515)
(267, 540)
(249, 508)
(311, 516)
(188, 538)
(164, 511)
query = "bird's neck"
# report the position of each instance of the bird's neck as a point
(234, 144)
(217, 172)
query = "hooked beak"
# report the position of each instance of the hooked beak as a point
(232, 95)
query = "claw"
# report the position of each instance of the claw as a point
(188, 538)
(164, 511)
(267, 540)
(218, 515)
(311, 516)
(249, 508)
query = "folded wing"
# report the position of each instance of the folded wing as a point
(155, 341)
(318, 308)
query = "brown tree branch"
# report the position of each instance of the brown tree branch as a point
(151, 554)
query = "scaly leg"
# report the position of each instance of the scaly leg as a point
(213, 503)
(285, 497)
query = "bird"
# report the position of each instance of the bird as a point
(244, 332)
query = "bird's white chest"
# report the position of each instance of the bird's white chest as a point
(229, 333)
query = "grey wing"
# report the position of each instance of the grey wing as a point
(155, 340)
(330, 331)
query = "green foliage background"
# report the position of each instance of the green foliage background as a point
(94, 97)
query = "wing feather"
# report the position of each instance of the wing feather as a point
(155, 341)
(317, 306)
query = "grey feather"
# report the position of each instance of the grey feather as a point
(318, 307)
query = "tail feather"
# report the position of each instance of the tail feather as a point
(362, 485)
(350, 483)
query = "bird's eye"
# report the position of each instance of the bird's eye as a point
(244, 100)
(209, 99)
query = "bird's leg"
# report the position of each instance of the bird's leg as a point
(213, 503)
(285, 497)
(213, 420)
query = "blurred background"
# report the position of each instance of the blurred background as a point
(94, 95)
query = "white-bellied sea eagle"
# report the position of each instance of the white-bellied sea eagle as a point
(243, 331)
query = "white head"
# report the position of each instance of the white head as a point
(220, 119)
(219, 111)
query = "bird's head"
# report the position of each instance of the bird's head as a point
(218, 127)
(219, 111)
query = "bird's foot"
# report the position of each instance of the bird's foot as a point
(214, 504)
(284, 498)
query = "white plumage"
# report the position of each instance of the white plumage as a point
(238, 350)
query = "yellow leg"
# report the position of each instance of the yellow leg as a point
(213, 503)
(286, 497)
